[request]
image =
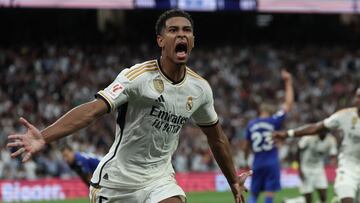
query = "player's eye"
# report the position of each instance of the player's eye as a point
(188, 29)
(172, 30)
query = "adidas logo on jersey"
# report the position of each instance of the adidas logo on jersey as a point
(160, 99)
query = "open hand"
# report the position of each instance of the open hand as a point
(239, 188)
(27, 143)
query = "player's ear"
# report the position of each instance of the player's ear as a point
(160, 40)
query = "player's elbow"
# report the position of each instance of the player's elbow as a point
(94, 110)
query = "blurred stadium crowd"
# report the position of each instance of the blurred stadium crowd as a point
(41, 83)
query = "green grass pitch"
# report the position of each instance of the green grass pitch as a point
(219, 197)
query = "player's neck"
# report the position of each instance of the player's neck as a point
(175, 72)
(264, 115)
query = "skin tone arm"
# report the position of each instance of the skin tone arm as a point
(77, 118)
(34, 141)
(309, 129)
(220, 148)
(86, 178)
(289, 90)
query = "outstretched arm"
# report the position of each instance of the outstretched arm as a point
(309, 129)
(220, 148)
(77, 118)
(289, 90)
(34, 141)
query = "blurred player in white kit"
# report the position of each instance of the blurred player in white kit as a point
(348, 172)
(312, 151)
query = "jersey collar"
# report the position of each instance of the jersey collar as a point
(168, 78)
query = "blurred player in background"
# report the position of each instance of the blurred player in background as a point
(312, 152)
(153, 101)
(266, 164)
(84, 164)
(348, 172)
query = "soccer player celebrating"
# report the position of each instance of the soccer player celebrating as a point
(348, 172)
(266, 165)
(311, 154)
(153, 100)
(84, 164)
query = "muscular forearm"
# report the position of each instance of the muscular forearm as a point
(220, 148)
(75, 119)
(310, 129)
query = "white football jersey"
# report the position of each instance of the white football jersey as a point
(347, 120)
(313, 151)
(151, 111)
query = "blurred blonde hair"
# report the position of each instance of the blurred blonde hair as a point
(267, 107)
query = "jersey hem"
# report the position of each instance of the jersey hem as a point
(208, 124)
(140, 185)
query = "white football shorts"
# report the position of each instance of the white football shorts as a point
(314, 179)
(347, 179)
(157, 191)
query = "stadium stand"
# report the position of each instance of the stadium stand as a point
(52, 60)
(42, 82)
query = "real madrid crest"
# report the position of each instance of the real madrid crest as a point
(189, 103)
(158, 85)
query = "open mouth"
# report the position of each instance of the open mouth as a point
(181, 50)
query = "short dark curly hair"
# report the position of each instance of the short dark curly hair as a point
(160, 23)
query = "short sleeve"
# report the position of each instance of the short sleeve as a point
(279, 118)
(117, 92)
(333, 121)
(206, 115)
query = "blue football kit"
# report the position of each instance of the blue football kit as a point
(266, 165)
(84, 165)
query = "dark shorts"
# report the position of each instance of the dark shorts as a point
(265, 179)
